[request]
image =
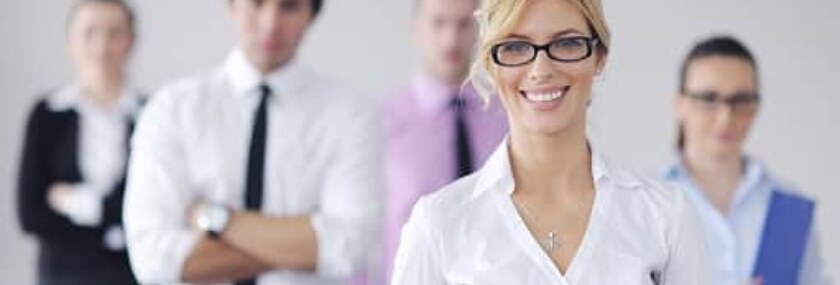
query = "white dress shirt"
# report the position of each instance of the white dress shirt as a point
(733, 239)
(102, 152)
(191, 145)
(470, 233)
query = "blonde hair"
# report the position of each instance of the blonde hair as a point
(497, 19)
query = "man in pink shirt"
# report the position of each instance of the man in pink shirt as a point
(438, 128)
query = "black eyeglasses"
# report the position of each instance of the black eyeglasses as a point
(518, 53)
(741, 103)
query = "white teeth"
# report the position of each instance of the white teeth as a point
(544, 97)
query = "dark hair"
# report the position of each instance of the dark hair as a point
(122, 4)
(316, 6)
(417, 4)
(714, 46)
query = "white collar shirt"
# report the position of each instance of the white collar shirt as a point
(470, 233)
(191, 144)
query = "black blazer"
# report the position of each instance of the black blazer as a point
(68, 254)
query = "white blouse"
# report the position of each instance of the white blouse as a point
(640, 232)
(102, 150)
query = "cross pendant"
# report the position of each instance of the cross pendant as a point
(551, 242)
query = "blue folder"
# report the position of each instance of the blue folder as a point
(784, 239)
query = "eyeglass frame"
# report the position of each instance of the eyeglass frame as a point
(714, 99)
(591, 44)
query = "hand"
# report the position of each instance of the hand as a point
(755, 281)
(60, 196)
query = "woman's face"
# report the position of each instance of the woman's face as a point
(100, 40)
(547, 96)
(718, 104)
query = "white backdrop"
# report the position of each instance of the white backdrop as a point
(366, 43)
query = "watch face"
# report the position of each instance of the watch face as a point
(202, 220)
(217, 218)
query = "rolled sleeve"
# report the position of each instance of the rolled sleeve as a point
(347, 224)
(340, 248)
(157, 197)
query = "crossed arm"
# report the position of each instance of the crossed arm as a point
(252, 244)
(332, 240)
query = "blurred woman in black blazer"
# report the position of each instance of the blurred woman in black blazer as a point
(73, 166)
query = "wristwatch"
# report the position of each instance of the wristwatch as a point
(212, 219)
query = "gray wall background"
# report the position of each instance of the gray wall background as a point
(366, 43)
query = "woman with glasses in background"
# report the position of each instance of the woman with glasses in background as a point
(547, 208)
(718, 101)
(72, 173)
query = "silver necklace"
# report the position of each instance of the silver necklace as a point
(551, 242)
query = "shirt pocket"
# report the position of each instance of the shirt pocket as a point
(298, 180)
(210, 173)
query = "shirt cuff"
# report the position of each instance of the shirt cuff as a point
(159, 258)
(337, 255)
(114, 238)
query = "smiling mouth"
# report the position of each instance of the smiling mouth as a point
(546, 95)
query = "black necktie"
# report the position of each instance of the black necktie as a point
(256, 160)
(462, 137)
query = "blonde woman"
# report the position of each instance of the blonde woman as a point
(547, 208)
